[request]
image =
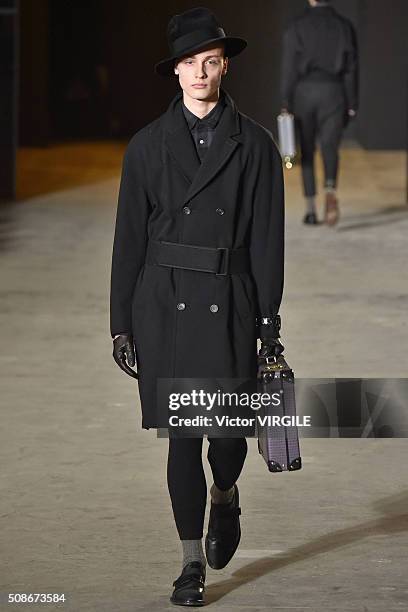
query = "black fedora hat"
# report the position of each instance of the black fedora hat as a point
(193, 30)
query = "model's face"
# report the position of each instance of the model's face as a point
(200, 74)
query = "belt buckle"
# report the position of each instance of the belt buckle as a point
(224, 261)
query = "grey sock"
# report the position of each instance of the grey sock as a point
(193, 551)
(221, 497)
(311, 204)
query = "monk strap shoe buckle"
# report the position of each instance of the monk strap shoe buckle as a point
(223, 261)
(225, 511)
(187, 579)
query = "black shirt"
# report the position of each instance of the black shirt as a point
(320, 44)
(202, 130)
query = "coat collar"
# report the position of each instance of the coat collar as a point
(181, 146)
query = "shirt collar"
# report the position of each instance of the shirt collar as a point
(210, 120)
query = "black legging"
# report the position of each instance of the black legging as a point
(186, 478)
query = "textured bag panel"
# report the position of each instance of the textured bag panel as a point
(279, 445)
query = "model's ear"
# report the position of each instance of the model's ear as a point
(175, 68)
(225, 67)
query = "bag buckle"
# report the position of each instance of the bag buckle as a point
(223, 261)
(271, 359)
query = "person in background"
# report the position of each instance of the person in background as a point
(319, 85)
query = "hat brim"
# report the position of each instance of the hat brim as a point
(233, 46)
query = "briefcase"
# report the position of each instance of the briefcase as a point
(287, 140)
(278, 445)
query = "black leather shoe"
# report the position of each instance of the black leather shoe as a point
(224, 532)
(310, 219)
(189, 587)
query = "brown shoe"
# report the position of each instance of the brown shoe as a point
(331, 213)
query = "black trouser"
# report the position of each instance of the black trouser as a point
(320, 109)
(186, 478)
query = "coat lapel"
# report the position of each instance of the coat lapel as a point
(180, 143)
(226, 140)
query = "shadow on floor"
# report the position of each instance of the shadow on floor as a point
(394, 213)
(395, 520)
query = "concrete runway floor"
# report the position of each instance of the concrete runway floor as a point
(84, 503)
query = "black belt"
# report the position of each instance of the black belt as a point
(321, 75)
(220, 260)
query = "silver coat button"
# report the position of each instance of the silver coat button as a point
(214, 308)
(186, 210)
(220, 211)
(181, 306)
(201, 141)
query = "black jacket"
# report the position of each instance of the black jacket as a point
(162, 179)
(323, 42)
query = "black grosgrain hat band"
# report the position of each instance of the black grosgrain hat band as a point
(194, 39)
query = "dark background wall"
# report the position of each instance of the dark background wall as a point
(87, 68)
(384, 81)
(8, 96)
(34, 85)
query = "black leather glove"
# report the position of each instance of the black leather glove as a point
(124, 353)
(286, 107)
(269, 334)
(273, 348)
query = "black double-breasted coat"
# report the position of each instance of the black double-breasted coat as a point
(234, 198)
